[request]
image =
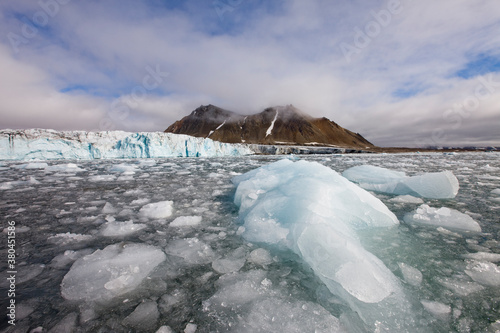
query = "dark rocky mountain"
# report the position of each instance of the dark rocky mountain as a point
(275, 125)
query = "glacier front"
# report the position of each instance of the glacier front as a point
(315, 212)
(44, 144)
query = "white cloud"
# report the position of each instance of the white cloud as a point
(258, 55)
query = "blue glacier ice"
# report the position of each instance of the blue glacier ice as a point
(435, 185)
(42, 144)
(313, 211)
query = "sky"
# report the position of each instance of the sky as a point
(399, 72)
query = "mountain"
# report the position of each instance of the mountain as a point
(275, 125)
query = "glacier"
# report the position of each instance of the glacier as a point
(45, 144)
(315, 212)
(435, 185)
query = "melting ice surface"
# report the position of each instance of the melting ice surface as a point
(315, 212)
(153, 245)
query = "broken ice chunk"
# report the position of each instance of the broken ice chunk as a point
(485, 273)
(157, 210)
(442, 217)
(437, 309)
(407, 199)
(186, 221)
(411, 275)
(260, 257)
(121, 229)
(111, 272)
(144, 317)
(437, 185)
(192, 250)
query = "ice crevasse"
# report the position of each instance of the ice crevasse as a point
(434, 185)
(313, 211)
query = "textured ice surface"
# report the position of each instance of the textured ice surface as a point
(439, 310)
(192, 250)
(121, 229)
(315, 212)
(49, 145)
(407, 199)
(249, 302)
(437, 185)
(157, 210)
(442, 217)
(144, 317)
(111, 272)
(186, 221)
(411, 275)
(485, 273)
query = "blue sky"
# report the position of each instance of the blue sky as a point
(401, 73)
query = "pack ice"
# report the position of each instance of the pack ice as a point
(315, 212)
(435, 185)
(42, 144)
(114, 271)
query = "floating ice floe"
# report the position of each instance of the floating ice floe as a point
(407, 199)
(127, 169)
(484, 256)
(68, 168)
(437, 309)
(315, 212)
(144, 317)
(249, 302)
(68, 238)
(111, 272)
(411, 275)
(484, 273)
(32, 165)
(157, 210)
(186, 221)
(442, 217)
(495, 195)
(192, 250)
(120, 229)
(437, 185)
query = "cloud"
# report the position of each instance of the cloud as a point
(396, 89)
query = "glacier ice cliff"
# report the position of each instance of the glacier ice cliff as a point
(316, 213)
(44, 144)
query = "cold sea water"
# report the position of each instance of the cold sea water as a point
(157, 245)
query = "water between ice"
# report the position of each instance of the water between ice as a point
(166, 251)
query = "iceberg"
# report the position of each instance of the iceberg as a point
(442, 217)
(313, 211)
(434, 185)
(44, 144)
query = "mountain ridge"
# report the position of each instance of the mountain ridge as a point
(274, 125)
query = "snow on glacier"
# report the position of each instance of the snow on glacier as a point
(44, 144)
(436, 185)
(315, 212)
